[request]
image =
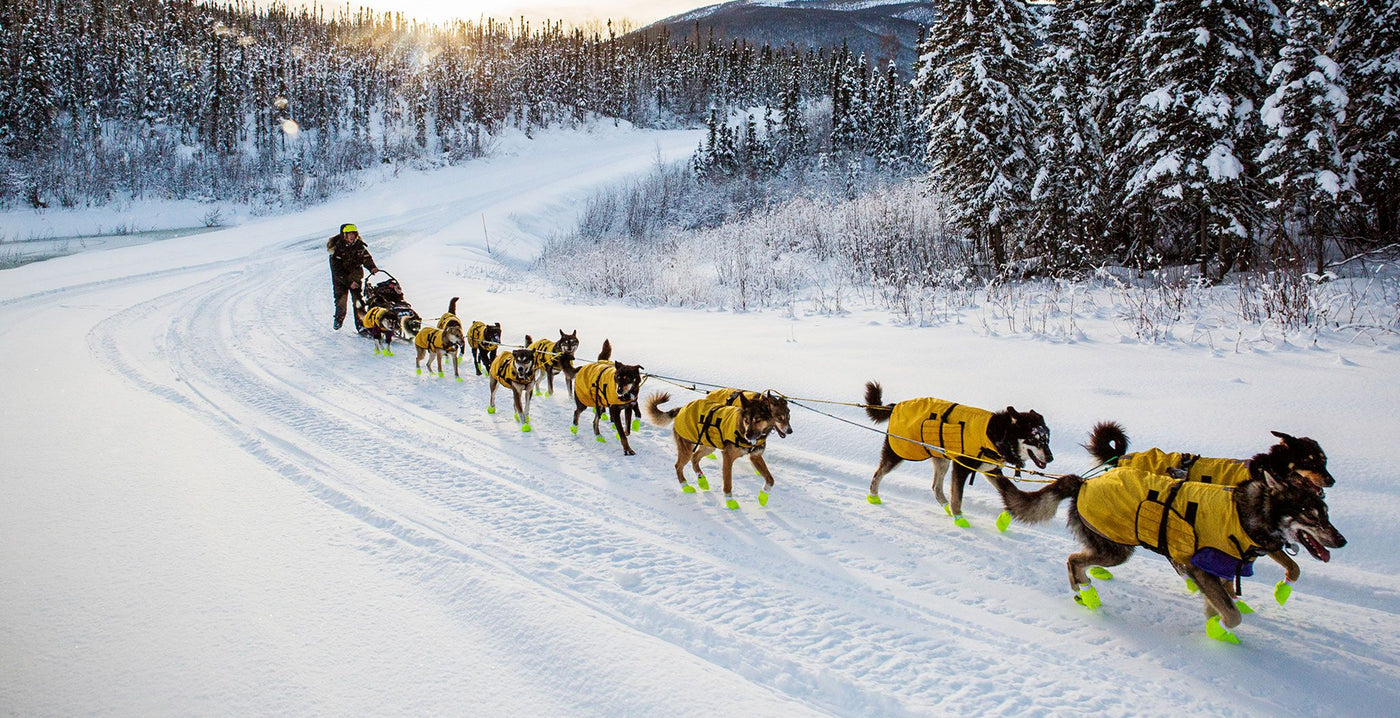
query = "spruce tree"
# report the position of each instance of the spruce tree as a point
(1303, 163)
(1191, 151)
(977, 68)
(1370, 52)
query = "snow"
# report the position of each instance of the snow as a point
(1222, 164)
(216, 504)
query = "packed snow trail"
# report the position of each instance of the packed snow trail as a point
(223, 506)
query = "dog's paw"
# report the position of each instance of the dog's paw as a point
(490, 410)
(600, 439)
(702, 482)
(874, 499)
(1100, 572)
(419, 371)
(687, 489)
(460, 379)
(573, 430)
(1282, 590)
(525, 427)
(1243, 607)
(1088, 597)
(731, 504)
(1003, 521)
(1219, 632)
(711, 456)
(961, 522)
(763, 498)
(1191, 586)
(636, 424)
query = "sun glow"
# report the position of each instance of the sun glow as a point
(579, 12)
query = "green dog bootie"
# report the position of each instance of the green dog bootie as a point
(1003, 521)
(1243, 607)
(731, 504)
(490, 410)
(687, 489)
(1088, 597)
(702, 482)
(460, 379)
(763, 498)
(1191, 586)
(420, 372)
(961, 522)
(636, 424)
(874, 499)
(525, 426)
(600, 439)
(573, 429)
(711, 456)
(1100, 572)
(1282, 590)
(1219, 632)
(441, 375)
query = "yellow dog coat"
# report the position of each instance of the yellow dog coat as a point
(1182, 520)
(545, 356)
(1224, 472)
(596, 385)
(962, 430)
(430, 339)
(449, 319)
(373, 316)
(704, 423)
(476, 337)
(503, 368)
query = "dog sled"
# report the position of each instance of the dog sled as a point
(386, 292)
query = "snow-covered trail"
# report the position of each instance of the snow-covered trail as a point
(219, 505)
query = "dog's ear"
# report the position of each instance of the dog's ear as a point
(528, 340)
(1286, 439)
(1011, 412)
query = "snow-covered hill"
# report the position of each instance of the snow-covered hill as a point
(882, 29)
(213, 503)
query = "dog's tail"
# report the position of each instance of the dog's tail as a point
(452, 306)
(607, 351)
(654, 413)
(1107, 442)
(1033, 507)
(877, 411)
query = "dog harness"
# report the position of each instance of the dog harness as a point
(962, 430)
(1223, 472)
(430, 339)
(1189, 522)
(503, 368)
(545, 356)
(596, 385)
(476, 337)
(703, 423)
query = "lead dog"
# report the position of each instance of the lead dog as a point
(1299, 461)
(735, 422)
(1210, 533)
(515, 370)
(968, 439)
(610, 385)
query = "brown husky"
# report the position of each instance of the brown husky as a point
(516, 370)
(610, 385)
(735, 422)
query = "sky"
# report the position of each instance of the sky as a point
(640, 12)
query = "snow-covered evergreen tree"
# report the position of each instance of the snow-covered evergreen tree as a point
(1369, 49)
(1304, 163)
(978, 69)
(1068, 187)
(1191, 152)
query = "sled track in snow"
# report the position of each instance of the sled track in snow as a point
(838, 605)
